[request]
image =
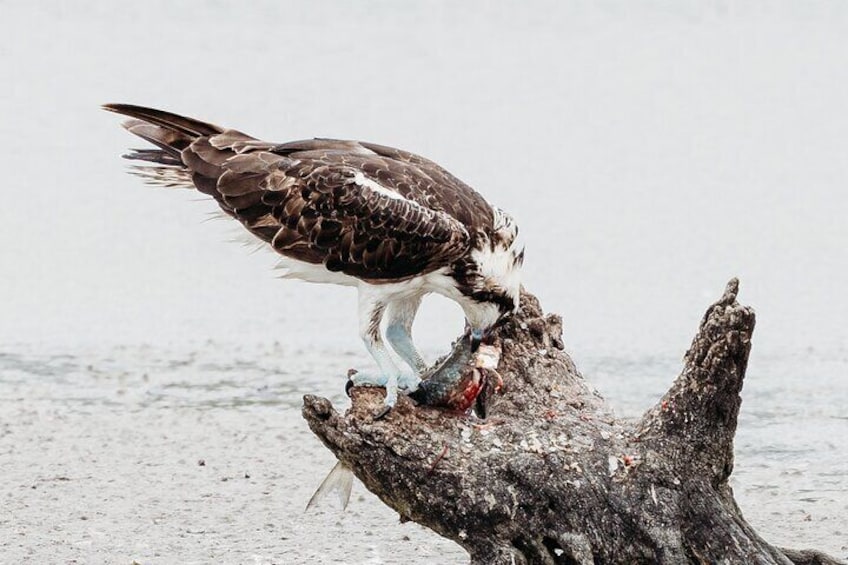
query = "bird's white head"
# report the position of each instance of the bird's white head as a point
(490, 278)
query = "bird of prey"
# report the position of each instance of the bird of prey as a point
(392, 224)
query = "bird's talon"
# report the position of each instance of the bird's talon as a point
(366, 379)
(408, 383)
(382, 413)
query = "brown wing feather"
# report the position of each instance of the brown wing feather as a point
(308, 199)
(174, 122)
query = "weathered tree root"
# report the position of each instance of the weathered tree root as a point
(553, 477)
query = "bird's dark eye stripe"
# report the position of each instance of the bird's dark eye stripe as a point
(505, 303)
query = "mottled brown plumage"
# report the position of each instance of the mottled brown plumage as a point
(314, 200)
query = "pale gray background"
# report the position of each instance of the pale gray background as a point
(650, 151)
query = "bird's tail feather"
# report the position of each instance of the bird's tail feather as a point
(171, 133)
(172, 122)
(168, 176)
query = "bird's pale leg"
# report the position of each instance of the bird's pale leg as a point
(370, 316)
(400, 315)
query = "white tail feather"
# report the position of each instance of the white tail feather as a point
(163, 175)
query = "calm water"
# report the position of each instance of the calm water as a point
(649, 154)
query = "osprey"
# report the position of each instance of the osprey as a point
(392, 224)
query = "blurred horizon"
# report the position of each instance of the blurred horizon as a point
(649, 155)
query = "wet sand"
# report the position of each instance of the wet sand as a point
(178, 460)
(199, 456)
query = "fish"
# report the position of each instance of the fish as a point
(462, 380)
(338, 480)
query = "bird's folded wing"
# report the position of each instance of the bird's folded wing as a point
(329, 206)
(366, 210)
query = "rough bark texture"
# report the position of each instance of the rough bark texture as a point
(553, 477)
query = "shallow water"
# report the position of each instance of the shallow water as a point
(789, 477)
(649, 152)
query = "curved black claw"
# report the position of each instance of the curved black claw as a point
(382, 412)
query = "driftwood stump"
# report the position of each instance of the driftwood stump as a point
(552, 476)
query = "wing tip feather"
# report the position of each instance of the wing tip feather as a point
(169, 120)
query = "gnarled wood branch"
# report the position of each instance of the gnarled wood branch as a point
(553, 477)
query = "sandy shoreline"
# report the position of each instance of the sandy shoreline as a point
(101, 464)
(115, 477)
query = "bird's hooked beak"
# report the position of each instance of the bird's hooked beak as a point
(477, 337)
